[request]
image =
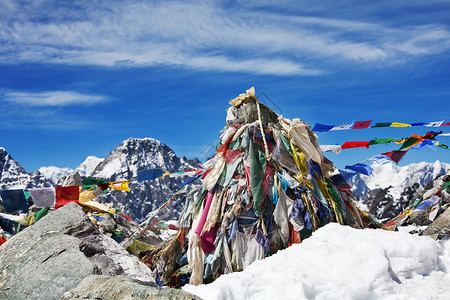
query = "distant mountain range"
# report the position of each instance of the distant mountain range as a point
(391, 188)
(122, 163)
(384, 194)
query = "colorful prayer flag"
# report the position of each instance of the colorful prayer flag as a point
(342, 127)
(149, 174)
(322, 128)
(362, 124)
(395, 124)
(361, 168)
(13, 200)
(66, 194)
(381, 141)
(43, 197)
(348, 145)
(395, 155)
(435, 124)
(411, 141)
(382, 124)
(335, 148)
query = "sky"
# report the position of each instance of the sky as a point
(79, 77)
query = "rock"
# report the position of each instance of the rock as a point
(120, 287)
(420, 217)
(440, 227)
(57, 253)
(74, 179)
(247, 113)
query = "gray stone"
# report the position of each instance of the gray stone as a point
(74, 179)
(120, 287)
(247, 113)
(440, 226)
(57, 253)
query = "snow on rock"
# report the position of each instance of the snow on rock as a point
(55, 174)
(339, 262)
(390, 174)
(390, 189)
(88, 166)
(14, 176)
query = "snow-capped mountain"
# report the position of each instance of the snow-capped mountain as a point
(391, 188)
(132, 156)
(14, 176)
(122, 163)
(57, 174)
(88, 166)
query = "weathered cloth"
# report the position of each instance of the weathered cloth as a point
(13, 200)
(66, 194)
(43, 197)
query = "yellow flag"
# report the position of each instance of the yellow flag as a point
(120, 186)
(395, 124)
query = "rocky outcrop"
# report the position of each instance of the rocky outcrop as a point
(14, 176)
(53, 256)
(440, 227)
(120, 287)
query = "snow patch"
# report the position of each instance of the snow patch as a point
(339, 262)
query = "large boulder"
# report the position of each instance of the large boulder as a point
(120, 287)
(57, 253)
(440, 227)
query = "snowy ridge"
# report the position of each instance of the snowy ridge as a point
(391, 175)
(391, 188)
(339, 262)
(57, 174)
(14, 176)
(88, 166)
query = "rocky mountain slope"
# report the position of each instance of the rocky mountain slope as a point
(134, 155)
(14, 176)
(391, 188)
(122, 163)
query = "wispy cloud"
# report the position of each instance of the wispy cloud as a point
(52, 98)
(206, 36)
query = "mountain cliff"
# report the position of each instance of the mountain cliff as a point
(133, 155)
(14, 176)
(391, 188)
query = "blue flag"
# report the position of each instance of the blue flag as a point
(14, 200)
(361, 168)
(149, 174)
(322, 128)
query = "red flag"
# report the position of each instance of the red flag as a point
(362, 124)
(348, 145)
(66, 194)
(395, 155)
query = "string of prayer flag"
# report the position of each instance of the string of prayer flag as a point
(366, 124)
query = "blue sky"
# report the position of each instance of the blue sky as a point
(76, 79)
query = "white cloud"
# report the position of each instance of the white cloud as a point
(205, 36)
(52, 98)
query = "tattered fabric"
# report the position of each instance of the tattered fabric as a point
(43, 197)
(395, 155)
(13, 200)
(66, 194)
